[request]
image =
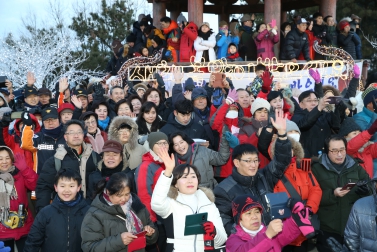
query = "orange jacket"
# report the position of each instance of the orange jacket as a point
(157, 32)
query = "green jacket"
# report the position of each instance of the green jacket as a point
(334, 211)
(101, 229)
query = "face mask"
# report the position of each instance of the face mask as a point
(295, 136)
(232, 114)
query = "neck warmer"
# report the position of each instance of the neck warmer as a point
(202, 113)
(181, 123)
(250, 232)
(103, 123)
(54, 133)
(107, 172)
(247, 28)
(7, 192)
(348, 162)
(133, 223)
(185, 158)
(233, 56)
(204, 36)
(71, 203)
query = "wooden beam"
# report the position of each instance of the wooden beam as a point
(297, 5)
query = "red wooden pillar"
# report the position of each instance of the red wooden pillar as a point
(328, 7)
(159, 11)
(195, 11)
(174, 14)
(272, 10)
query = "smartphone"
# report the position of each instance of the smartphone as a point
(218, 83)
(16, 115)
(348, 186)
(273, 23)
(335, 99)
(2, 81)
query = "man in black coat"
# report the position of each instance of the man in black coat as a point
(247, 178)
(296, 41)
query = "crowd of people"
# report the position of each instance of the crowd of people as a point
(110, 167)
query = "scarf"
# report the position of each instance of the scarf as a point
(7, 192)
(348, 162)
(107, 172)
(233, 56)
(71, 203)
(54, 133)
(185, 158)
(204, 36)
(133, 223)
(104, 123)
(247, 29)
(250, 232)
(202, 113)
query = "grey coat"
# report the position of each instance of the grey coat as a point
(361, 230)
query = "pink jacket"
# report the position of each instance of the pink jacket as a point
(367, 155)
(243, 242)
(265, 42)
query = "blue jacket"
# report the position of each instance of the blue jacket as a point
(223, 42)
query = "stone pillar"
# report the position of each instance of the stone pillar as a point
(272, 10)
(195, 11)
(174, 14)
(328, 7)
(159, 11)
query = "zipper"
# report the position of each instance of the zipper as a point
(68, 232)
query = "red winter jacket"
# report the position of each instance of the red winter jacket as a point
(13, 141)
(23, 181)
(265, 42)
(367, 154)
(187, 50)
(146, 176)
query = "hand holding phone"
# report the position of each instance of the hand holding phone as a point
(334, 99)
(348, 186)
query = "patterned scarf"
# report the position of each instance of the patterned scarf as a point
(7, 192)
(133, 223)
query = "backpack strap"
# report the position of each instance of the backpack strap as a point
(292, 191)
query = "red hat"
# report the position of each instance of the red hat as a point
(65, 106)
(343, 24)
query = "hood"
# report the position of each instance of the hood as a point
(324, 160)
(298, 151)
(173, 25)
(147, 157)
(113, 132)
(192, 25)
(173, 193)
(5, 101)
(35, 121)
(329, 88)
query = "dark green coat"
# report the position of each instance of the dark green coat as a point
(101, 229)
(334, 211)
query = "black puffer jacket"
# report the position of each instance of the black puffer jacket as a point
(57, 228)
(260, 184)
(348, 43)
(295, 43)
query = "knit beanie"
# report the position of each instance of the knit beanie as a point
(348, 126)
(154, 137)
(243, 204)
(343, 24)
(368, 94)
(292, 126)
(273, 95)
(258, 104)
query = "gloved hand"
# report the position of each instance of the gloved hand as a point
(6, 120)
(232, 139)
(373, 128)
(232, 96)
(98, 91)
(362, 190)
(315, 75)
(26, 119)
(295, 205)
(356, 71)
(2, 248)
(20, 161)
(267, 81)
(303, 223)
(210, 233)
(159, 79)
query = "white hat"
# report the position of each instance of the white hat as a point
(259, 103)
(302, 20)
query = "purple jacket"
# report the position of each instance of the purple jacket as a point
(265, 44)
(243, 242)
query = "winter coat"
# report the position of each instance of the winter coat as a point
(57, 228)
(355, 148)
(334, 211)
(97, 142)
(361, 225)
(332, 34)
(288, 106)
(173, 31)
(132, 150)
(69, 160)
(223, 42)
(205, 45)
(189, 35)
(260, 184)
(311, 39)
(295, 43)
(101, 229)
(265, 42)
(320, 32)
(247, 47)
(168, 203)
(143, 129)
(359, 54)
(146, 176)
(24, 181)
(14, 141)
(204, 159)
(240, 241)
(315, 127)
(348, 43)
(155, 32)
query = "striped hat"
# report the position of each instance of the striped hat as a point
(368, 94)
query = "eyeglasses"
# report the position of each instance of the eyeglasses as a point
(250, 161)
(341, 151)
(78, 133)
(90, 123)
(311, 101)
(161, 144)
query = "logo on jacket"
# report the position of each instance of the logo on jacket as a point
(281, 211)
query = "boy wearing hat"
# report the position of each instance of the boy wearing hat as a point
(44, 96)
(31, 98)
(224, 39)
(247, 47)
(65, 112)
(232, 53)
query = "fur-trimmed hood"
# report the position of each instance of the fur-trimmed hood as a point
(173, 193)
(329, 88)
(290, 104)
(113, 130)
(298, 151)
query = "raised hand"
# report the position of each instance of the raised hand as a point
(177, 74)
(169, 161)
(63, 84)
(280, 122)
(7, 119)
(232, 96)
(76, 101)
(187, 95)
(30, 78)
(267, 81)
(20, 161)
